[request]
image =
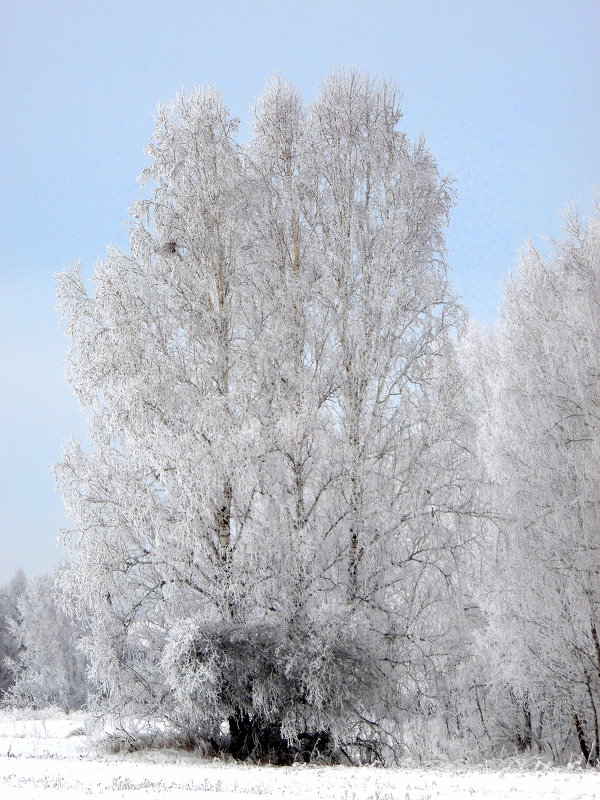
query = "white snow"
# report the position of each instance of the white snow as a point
(50, 757)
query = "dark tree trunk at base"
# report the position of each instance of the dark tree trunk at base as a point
(258, 740)
(585, 750)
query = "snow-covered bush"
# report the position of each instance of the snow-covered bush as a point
(284, 694)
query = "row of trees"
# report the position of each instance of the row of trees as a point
(540, 439)
(318, 506)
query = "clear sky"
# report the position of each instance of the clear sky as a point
(507, 92)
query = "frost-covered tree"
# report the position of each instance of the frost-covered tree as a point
(270, 522)
(49, 667)
(9, 615)
(161, 502)
(544, 458)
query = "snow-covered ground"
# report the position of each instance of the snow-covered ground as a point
(50, 757)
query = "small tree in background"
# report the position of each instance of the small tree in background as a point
(9, 616)
(49, 668)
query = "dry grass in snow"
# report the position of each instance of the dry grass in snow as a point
(51, 757)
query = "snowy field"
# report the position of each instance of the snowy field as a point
(52, 758)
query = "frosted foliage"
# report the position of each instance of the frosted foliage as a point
(48, 666)
(279, 443)
(9, 616)
(543, 452)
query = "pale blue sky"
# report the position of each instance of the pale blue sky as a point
(507, 91)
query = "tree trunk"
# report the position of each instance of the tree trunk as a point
(585, 750)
